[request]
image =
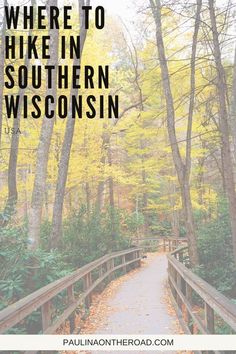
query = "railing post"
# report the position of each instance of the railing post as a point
(173, 275)
(209, 319)
(189, 297)
(181, 258)
(138, 256)
(87, 282)
(164, 244)
(179, 285)
(169, 245)
(70, 294)
(46, 312)
(71, 300)
(101, 271)
(176, 243)
(131, 257)
(123, 262)
(112, 265)
(189, 293)
(169, 267)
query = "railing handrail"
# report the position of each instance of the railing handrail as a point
(225, 308)
(158, 238)
(173, 253)
(17, 311)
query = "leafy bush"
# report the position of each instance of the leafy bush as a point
(84, 239)
(88, 238)
(23, 271)
(161, 228)
(215, 251)
(133, 222)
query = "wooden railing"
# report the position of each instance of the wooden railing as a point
(167, 244)
(197, 303)
(200, 307)
(90, 276)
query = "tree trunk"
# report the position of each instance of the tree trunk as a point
(182, 169)
(233, 106)
(224, 125)
(12, 165)
(101, 184)
(144, 183)
(106, 137)
(66, 147)
(110, 181)
(175, 224)
(35, 212)
(111, 198)
(13, 158)
(2, 63)
(100, 196)
(87, 186)
(174, 213)
(88, 198)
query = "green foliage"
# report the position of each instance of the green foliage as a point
(133, 222)
(86, 238)
(215, 251)
(7, 213)
(13, 272)
(222, 327)
(22, 270)
(159, 227)
(49, 267)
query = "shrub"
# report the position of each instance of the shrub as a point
(215, 251)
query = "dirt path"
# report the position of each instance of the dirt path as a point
(137, 303)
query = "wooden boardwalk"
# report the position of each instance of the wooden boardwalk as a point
(140, 305)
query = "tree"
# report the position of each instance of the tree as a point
(233, 106)
(67, 143)
(2, 62)
(224, 124)
(35, 212)
(14, 149)
(183, 168)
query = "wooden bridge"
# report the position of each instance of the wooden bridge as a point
(198, 305)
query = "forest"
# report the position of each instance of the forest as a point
(73, 190)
